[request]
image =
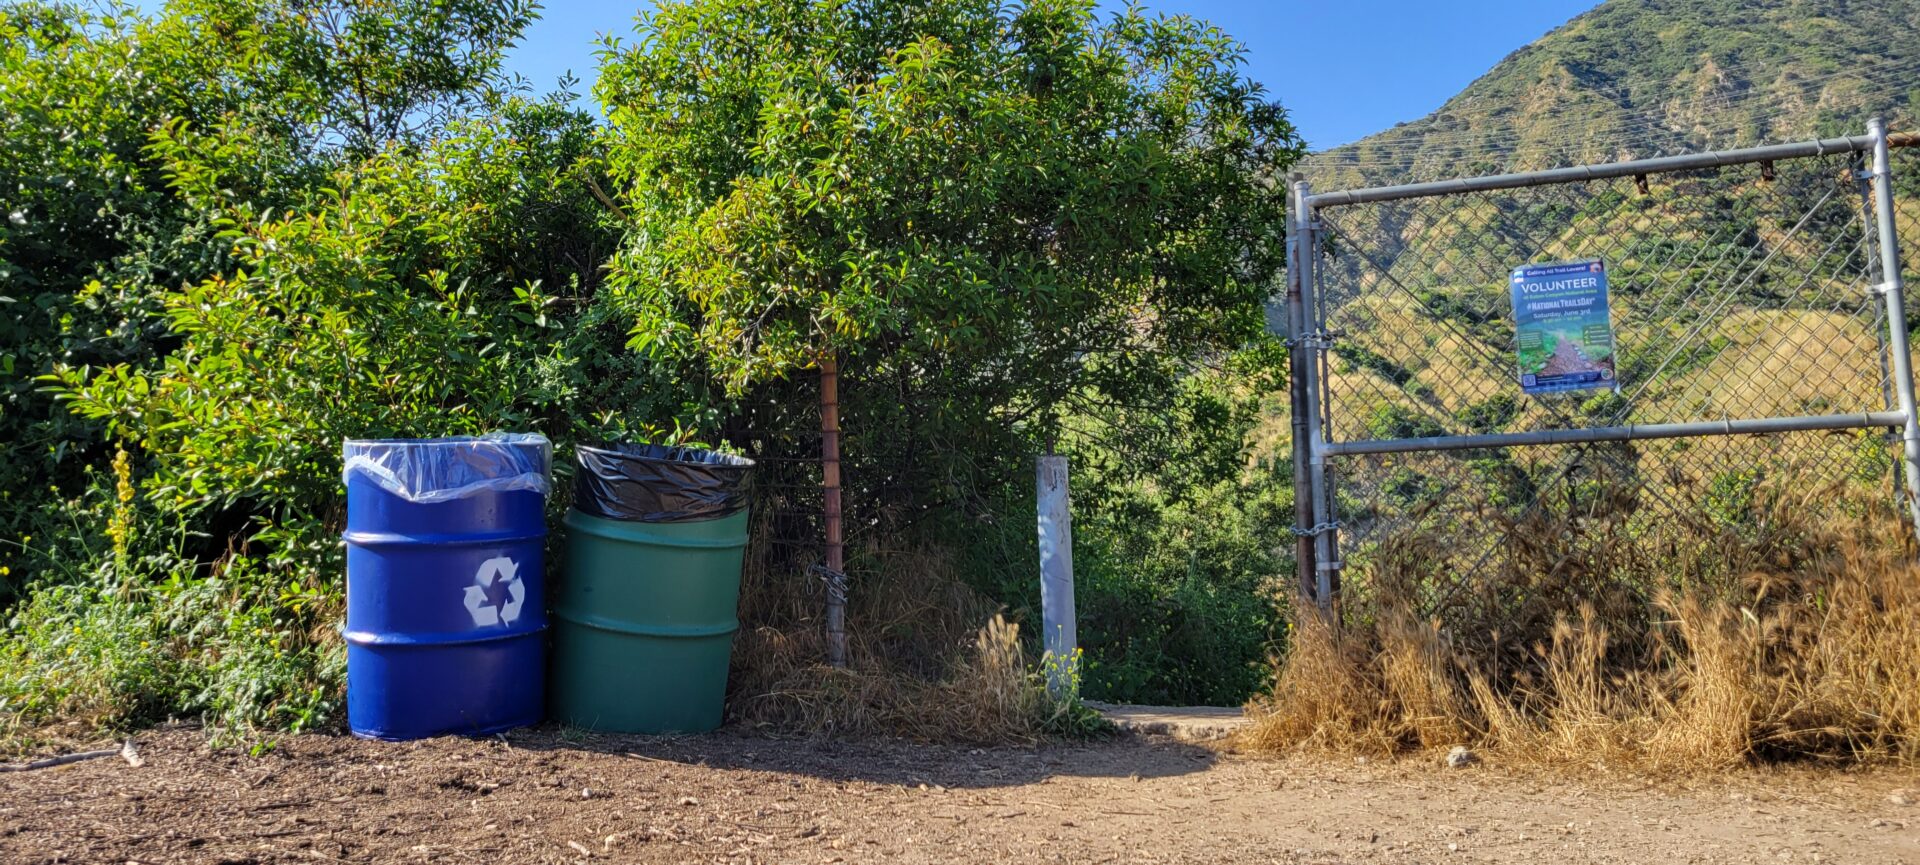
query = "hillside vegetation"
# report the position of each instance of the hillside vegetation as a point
(1736, 292)
(1638, 78)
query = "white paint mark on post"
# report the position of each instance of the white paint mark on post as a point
(1056, 574)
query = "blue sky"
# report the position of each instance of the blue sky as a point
(1344, 68)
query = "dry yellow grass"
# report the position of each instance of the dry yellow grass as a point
(1815, 658)
(1780, 362)
(922, 663)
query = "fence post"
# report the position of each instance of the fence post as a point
(1870, 241)
(1298, 381)
(1311, 342)
(1893, 288)
(836, 550)
(1059, 636)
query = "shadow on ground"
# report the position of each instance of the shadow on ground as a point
(885, 761)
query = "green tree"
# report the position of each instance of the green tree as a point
(1014, 206)
(231, 266)
(430, 291)
(99, 102)
(382, 71)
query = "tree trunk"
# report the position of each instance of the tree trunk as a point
(830, 488)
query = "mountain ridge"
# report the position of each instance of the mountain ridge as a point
(1637, 78)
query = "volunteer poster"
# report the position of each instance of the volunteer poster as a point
(1563, 329)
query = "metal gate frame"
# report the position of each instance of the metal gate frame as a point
(1316, 526)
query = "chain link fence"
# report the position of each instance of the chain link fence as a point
(1750, 349)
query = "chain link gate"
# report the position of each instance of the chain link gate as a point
(1759, 336)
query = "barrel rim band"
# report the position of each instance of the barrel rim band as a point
(433, 641)
(629, 532)
(395, 539)
(600, 623)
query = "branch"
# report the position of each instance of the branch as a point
(593, 186)
(60, 760)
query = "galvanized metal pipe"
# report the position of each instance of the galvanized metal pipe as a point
(1869, 240)
(1893, 289)
(1631, 432)
(1298, 378)
(1325, 557)
(1657, 165)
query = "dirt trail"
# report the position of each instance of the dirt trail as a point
(1567, 358)
(544, 796)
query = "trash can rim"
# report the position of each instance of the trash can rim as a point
(669, 454)
(451, 440)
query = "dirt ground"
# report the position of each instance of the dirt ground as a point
(548, 796)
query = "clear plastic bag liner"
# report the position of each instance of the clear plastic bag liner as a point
(425, 471)
(659, 484)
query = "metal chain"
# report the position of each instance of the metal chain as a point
(1320, 529)
(836, 582)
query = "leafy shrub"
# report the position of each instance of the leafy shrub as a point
(1183, 542)
(410, 302)
(1179, 601)
(99, 229)
(1393, 421)
(1492, 414)
(429, 295)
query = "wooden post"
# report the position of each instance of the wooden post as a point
(1299, 330)
(830, 499)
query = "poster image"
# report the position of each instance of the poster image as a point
(1562, 327)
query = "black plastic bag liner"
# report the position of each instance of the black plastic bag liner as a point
(659, 484)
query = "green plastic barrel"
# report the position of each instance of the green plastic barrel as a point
(644, 623)
(646, 609)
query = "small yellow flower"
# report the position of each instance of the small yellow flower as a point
(4, 570)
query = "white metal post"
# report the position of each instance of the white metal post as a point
(1056, 574)
(1893, 288)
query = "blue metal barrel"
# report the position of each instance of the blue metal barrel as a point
(446, 608)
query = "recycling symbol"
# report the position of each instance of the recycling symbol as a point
(496, 594)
